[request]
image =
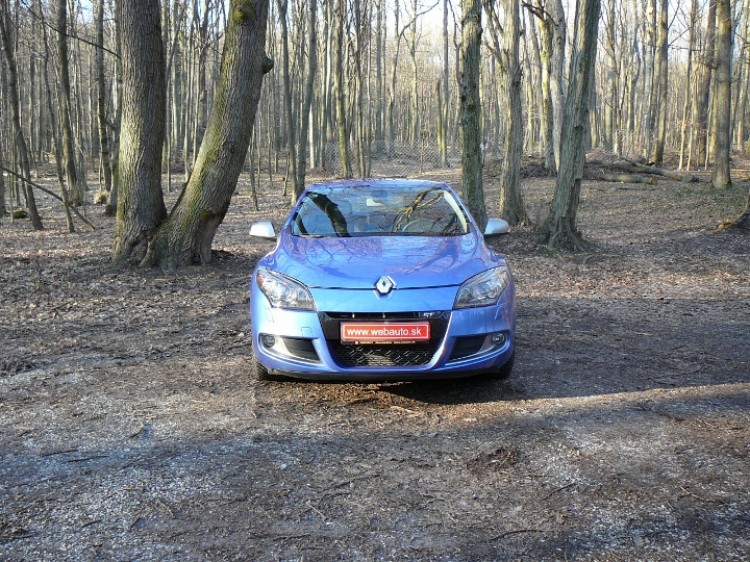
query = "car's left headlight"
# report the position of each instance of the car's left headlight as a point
(283, 291)
(483, 289)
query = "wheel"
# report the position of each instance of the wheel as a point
(503, 372)
(260, 372)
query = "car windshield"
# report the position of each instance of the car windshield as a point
(384, 211)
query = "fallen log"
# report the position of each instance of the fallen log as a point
(630, 166)
(627, 178)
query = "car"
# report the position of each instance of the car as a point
(379, 280)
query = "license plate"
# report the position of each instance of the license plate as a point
(385, 332)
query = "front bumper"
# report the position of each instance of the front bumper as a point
(306, 344)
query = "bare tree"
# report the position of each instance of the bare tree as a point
(187, 235)
(471, 108)
(560, 231)
(15, 101)
(661, 82)
(511, 201)
(340, 87)
(75, 187)
(723, 96)
(312, 65)
(140, 209)
(101, 106)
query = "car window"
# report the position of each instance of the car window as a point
(392, 211)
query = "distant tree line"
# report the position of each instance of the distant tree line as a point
(354, 83)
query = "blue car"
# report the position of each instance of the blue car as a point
(375, 280)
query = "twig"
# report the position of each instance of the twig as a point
(517, 532)
(560, 489)
(52, 193)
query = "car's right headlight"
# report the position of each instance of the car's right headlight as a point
(483, 289)
(283, 291)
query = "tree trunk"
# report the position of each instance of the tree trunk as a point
(75, 188)
(55, 132)
(111, 209)
(446, 90)
(339, 85)
(291, 133)
(471, 109)
(723, 95)
(305, 118)
(140, 208)
(557, 71)
(688, 81)
(704, 86)
(661, 82)
(511, 201)
(15, 101)
(744, 219)
(186, 237)
(101, 104)
(559, 231)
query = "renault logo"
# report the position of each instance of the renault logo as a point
(385, 285)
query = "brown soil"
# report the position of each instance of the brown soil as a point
(131, 429)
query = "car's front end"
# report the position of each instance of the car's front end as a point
(381, 307)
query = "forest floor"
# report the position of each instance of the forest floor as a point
(130, 428)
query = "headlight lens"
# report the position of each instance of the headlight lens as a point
(284, 292)
(483, 289)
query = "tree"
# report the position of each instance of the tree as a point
(511, 201)
(559, 231)
(187, 235)
(291, 131)
(744, 219)
(342, 129)
(101, 105)
(15, 101)
(723, 96)
(140, 208)
(75, 187)
(661, 81)
(471, 109)
(312, 66)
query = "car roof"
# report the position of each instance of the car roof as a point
(380, 182)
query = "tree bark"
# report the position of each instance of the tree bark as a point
(101, 104)
(75, 187)
(559, 231)
(704, 86)
(15, 101)
(339, 85)
(312, 66)
(723, 95)
(661, 82)
(743, 221)
(140, 208)
(471, 109)
(291, 132)
(186, 237)
(511, 201)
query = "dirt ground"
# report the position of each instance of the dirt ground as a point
(130, 428)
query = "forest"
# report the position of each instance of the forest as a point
(140, 139)
(366, 87)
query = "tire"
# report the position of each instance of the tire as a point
(503, 372)
(260, 372)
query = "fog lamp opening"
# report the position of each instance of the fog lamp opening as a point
(499, 338)
(268, 340)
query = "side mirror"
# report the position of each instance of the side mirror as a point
(263, 229)
(496, 227)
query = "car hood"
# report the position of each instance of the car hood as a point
(358, 262)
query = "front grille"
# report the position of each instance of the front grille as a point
(381, 355)
(396, 355)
